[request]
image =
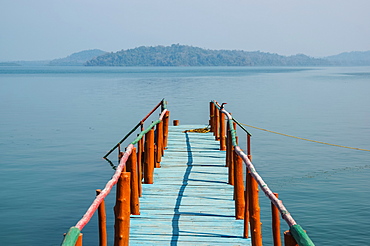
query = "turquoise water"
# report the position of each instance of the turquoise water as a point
(57, 122)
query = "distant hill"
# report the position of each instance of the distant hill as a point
(183, 55)
(32, 63)
(9, 64)
(77, 59)
(354, 58)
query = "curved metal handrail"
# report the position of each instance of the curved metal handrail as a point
(163, 105)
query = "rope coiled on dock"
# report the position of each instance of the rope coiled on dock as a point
(199, 130)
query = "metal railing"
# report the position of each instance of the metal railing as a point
(246, 197)
(135, 165)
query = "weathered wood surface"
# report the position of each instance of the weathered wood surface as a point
(190, 202)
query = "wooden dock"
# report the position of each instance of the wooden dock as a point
(190, 202)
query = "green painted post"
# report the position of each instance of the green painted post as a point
(71, 237)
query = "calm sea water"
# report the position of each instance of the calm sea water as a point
(57, 122)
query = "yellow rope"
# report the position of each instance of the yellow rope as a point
(199, 130)
(305, 139)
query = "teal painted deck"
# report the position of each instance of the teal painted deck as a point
(190, 202)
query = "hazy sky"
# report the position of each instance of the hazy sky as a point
(48, 29)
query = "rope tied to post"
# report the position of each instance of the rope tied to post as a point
(305, 139)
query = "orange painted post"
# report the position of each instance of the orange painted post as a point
(102, 222)
(238, 187)
(289, 239)
(159, 144)
(176, 122)
(79, 240)
(211, 115)
(249, 147)
(231, 166)
(228, 145)
(163, 137)
(132, 168)
(166, 120)
(254, 213)
(222, 132)
(120, 154)
(247, 222)
(217, 124)
(139, 165)
(149, 157)
(246, 202)
(122, 211)
(276, 223)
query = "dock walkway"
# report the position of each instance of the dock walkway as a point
(190, 202)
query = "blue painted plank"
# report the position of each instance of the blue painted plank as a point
(190, 202)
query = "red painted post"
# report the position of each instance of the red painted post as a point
(134, 195)
(102, 222)
(176, 122)
(149, 157)
(276, 223)
(238, 187)
(122, 211)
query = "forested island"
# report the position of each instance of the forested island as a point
(77, 59)
(184, 55)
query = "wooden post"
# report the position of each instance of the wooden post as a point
(231, 166)
(276, 223)
(149, 157)
(254, 213)
(211, 115)
(120, 154)
(176, 122)
(159, 144)
(246, 202)
(134, 194)
(102, 222)
(247, 191)
(238, 187)
(122, 211)
(222, 132)
(217, 123)
(249, 147)
(289, 239)
(140, 165)
(79, 240)
(228, 145)
(166, 120)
